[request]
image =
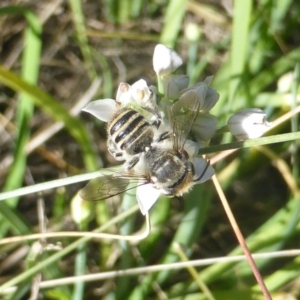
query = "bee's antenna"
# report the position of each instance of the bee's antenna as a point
(203, 172)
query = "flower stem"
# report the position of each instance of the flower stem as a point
(279, 138)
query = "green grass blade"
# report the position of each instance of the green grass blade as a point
(54, 109)
(29, 73)
(273, 139)
(283, 276)
(78, 18)
(80, 268)
(278, 13)
(239, 43)
(57, 256)
(195, 214)
(173, 22)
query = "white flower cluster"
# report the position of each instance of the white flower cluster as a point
(155, 148)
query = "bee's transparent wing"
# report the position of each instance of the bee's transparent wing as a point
(183, 115)
(105, 187)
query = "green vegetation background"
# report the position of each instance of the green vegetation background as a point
(51, 58)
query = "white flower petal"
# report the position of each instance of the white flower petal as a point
(165, 60)
(207, 96)
(102, 109)
(205, 126)
(171, 90)
(212, 97)
(140, 85)
(173, 84)
(197, 91)
(146, 196)
(202, 170)
(191, 147)
(141, 92)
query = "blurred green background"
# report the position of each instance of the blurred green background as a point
(57, 55)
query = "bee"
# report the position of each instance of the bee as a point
(165, 168)
(130, 132)
(171, 169)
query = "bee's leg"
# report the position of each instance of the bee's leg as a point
(152, 107)
(155, 112)
(164, 136)
(114, 151)
(131, 163)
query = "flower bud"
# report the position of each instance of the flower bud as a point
(248, 124)
(165, 60)
(81, 211)
(206, 96)
(192, 32)
(173, 84)
(140, 92)
(284, 84)
(124, 94)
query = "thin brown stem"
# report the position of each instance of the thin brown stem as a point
(241, 239)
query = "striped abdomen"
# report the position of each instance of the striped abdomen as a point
(130, 131)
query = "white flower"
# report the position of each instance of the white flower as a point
(202, 98)
(137, 94)
(140, 92)
(206, 96)
(248, 124)
(165, 60)
(124, 94)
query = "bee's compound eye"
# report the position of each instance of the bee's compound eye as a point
(183, 154)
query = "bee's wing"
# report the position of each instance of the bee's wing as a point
(182, 117)
(106, 186)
